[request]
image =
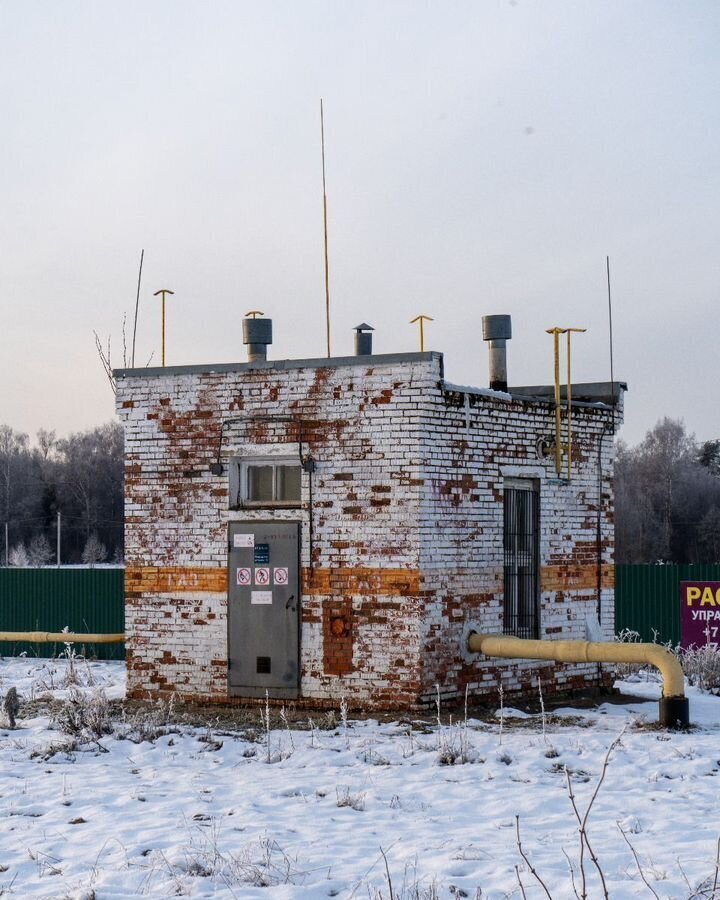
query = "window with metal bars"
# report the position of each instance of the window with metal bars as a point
(521, 546)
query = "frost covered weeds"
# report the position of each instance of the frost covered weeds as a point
(701, 665)
(104, 799)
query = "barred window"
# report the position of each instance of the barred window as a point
(521, 546)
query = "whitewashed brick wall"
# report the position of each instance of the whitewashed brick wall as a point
(407, 519)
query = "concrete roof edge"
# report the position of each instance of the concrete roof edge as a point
(377, 359)
(588, 391)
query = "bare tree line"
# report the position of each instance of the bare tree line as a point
(81, 477)
(667, 498)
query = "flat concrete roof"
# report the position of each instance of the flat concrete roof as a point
(586, 393)
(323, 362)
(608, 392)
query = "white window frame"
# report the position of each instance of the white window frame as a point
(239, 489)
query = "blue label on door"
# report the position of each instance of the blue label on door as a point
(262, 554)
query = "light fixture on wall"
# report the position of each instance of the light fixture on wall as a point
(544, 447)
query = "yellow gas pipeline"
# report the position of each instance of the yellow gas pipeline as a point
(60, 637)
(674, 706)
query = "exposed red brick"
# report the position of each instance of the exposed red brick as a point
(399, 563)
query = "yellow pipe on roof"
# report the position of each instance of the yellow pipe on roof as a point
(60, 637)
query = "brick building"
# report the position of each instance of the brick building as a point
(334, 527)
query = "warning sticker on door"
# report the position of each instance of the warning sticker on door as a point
(280, 576)
(261, 596)
(262, 575)
(243, 540)
(243, 576)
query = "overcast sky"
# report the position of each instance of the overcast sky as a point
(482, 157)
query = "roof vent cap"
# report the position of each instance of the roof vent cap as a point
(257, 334)
(363, 339)
(497, 330)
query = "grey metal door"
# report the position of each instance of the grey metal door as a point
(264, 603)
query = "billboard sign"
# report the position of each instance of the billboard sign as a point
(699, 613)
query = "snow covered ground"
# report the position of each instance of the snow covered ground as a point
(200, 812)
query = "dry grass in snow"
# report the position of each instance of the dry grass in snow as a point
(102, 801)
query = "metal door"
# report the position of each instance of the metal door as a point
(264, 602)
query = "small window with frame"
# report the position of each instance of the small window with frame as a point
(267, 482)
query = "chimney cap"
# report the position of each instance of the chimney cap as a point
(257, 334)
(497, 328)
(363, 327)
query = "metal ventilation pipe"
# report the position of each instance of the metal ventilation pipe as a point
(363, 339)
(257, 334)
(497, 330)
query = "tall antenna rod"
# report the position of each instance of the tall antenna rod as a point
(137, 304)
(163, 291)
(327, 277)
(612, 373)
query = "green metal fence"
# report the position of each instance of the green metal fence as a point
(92, 600)
(86, 600)
(647, 598)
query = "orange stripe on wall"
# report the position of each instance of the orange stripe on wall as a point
(337, 582)
(575, 578)
(175, 580)
(187, 579)
(365, 581)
